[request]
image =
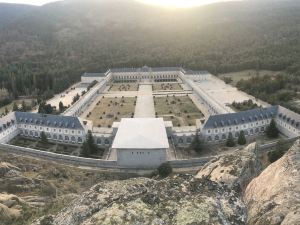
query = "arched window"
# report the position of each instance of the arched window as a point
(79, 140)
(256, 130)
(180, 140)
(54, 136)
(251, 131)
(224, 136)
(30, 133)
(262, 129)
(188, 140)
(67, 138)
(106, 142)
(217, 137)
(60, 137)
(209, 138)
(49, 135)
(73, 139)
(99, 141)
(26, 132)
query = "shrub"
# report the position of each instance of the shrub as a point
(165, 169)
(230, 141)
(272, 131)
(242, 139)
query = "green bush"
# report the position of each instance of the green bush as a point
(165, 169)
(242, 139)
(230, 141)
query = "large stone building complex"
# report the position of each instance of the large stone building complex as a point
(148, 139)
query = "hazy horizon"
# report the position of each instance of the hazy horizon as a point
(163, 3)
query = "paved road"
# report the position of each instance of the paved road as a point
(144, 105)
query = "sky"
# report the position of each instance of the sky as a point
(165, 3)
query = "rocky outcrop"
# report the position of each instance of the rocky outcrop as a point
(236, 169)
(274, 196)
(182, 199)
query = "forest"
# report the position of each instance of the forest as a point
(43, 50)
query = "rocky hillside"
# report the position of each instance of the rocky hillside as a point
(225, 191)
(181, 199)
(31, 188)
(274, 196)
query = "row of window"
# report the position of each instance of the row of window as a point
(145, 77)
(289, 127)
(236, 135)
(53, 130)
(53, 137)
(245, 126)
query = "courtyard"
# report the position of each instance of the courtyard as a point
(179, 109)
(166, 87)
(109, 110)
(117, 87)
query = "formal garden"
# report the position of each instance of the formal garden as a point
(179, 109)
(109, 110)
(115, 87)
(166, 87)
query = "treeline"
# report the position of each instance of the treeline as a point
(48, 49)
(281, 89)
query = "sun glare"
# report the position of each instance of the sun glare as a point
(180, 3)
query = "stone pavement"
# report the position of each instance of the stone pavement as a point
(144, 105)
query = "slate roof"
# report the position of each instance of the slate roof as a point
(289, 117)
(58, 121)
(144, 69)
(7, 121)
(93, 75)
(231, 119)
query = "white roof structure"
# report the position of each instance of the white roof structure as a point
(141, 133)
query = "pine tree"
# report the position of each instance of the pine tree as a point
(15, 107)
(230, 141)
(61, 107)
(197, 144)
(89, 146)
(24, 108)
(272, 131)
(242, 139)
(44, 138)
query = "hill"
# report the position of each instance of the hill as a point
(45, 50)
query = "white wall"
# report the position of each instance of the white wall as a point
(141, 158)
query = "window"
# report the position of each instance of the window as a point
(99, 141)
(216, 137)
(79, 140)
(73, 139)
(67, 138)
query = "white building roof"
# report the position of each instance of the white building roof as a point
(141, 133)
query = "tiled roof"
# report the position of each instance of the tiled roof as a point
(248, 116)
(48, 120)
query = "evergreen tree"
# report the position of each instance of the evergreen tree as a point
(44, 138)
(230, 141)
(272, 131)
(61, 107)
(85, 150)
(197, 144)
(6, 111)
(165, 169)
(242, 139)
(24, 108)
(15, 107)
(89, 146)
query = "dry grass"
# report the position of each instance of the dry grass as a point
(109, 110)
(180, 110)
